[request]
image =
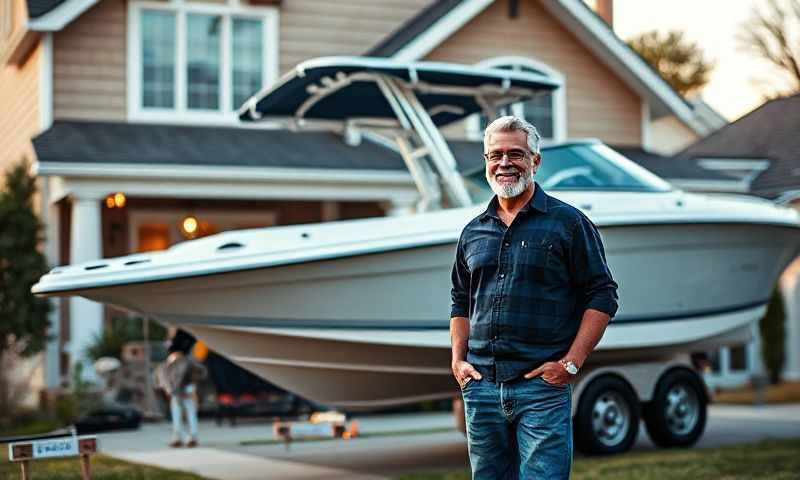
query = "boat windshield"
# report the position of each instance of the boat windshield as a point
(587, 166)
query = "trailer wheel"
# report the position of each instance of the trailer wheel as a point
(607, 418)
(676, 416)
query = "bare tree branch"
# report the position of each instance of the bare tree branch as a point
(774, 35)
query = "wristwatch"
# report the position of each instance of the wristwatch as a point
(569, 366)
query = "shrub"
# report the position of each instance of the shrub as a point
(773, 337)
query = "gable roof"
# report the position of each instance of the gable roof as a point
(37, 8)
(53, 15)
(420, 35)
(769, 132)
(414, 27)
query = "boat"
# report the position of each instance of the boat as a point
(354, 314)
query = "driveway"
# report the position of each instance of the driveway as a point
(221, 455)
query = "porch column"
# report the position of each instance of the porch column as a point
(51, 222)
(86, 317)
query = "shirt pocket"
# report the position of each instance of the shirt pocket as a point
(479, 254)
(534, 254)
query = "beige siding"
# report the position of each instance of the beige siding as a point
(314, 28)
(669, 135)
(19, 110)
(89, 65)
(598, 103)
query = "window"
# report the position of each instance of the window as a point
(547, 111)
(247, 59)
(158, 59)
(203, 61)
(198, 61)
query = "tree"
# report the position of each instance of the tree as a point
(773, 337)
(773, 34)
(23, 317)
(679, 61)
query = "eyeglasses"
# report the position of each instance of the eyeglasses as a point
(513, 156)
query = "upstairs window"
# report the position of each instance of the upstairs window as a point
(198, 61)
(547, 111)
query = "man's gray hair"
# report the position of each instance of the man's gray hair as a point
(510, 123)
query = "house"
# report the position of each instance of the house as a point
(126, 108)
(758, 154)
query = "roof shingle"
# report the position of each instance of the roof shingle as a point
(770, 132)
(117, 143)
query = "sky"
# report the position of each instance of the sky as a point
(739, 80)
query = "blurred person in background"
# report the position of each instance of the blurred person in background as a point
(178, 377)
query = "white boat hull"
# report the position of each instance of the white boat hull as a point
(367, 369)
(364, 324)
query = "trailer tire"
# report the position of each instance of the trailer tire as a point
(676, 416)
(607, 418)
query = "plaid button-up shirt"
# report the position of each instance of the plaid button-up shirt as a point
(525, 287)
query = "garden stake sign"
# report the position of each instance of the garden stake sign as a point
(70, 446)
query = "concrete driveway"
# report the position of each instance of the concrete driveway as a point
(221, 455)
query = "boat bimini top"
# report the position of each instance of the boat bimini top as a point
(401, 104)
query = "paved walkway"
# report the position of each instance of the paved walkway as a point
(221, 455)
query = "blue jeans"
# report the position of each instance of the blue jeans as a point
(518, 430)
(178, 404)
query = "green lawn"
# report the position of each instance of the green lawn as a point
(103, 468)
(784, 392)
(772, 459)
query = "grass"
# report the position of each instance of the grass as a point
(391, 433)
(786, 392)
(31, 428)
(103, 468)
(771, 459)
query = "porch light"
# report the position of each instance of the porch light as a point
(189, 226)
(116, 200)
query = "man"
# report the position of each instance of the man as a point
(532, 296)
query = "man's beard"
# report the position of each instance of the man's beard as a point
(511, 190)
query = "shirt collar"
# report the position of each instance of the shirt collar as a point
(537, 202)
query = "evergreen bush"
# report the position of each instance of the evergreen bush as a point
(23, 317)
(773, 337)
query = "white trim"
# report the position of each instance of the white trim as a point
(744, 164)
(746, 169)
(226, 58)
(195, 172)
(192, 181)
(559, 106)
(181, 114)
(645, 125)
(693, 185)
(46, 83)
(59, 17)
(441, 30)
